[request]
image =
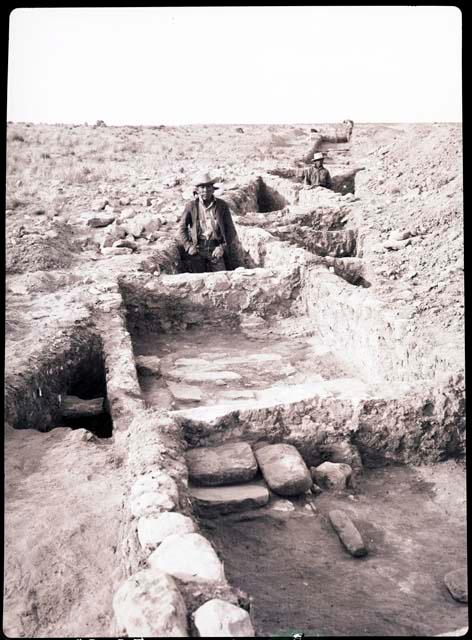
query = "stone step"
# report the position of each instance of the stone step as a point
(213, 501)
(231, 463)
(284, 469)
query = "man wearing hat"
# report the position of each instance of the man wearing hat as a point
(317, 175)
(206, 229)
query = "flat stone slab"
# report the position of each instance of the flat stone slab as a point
(220, 619)
(348, 533)
(284, 469)
(227, 464)
(184, 392)
(188, 557)
(213, 501)
(74, 407)
(135, 607)
(456, 583)
(186, 374)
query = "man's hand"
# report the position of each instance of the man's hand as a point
(217, 253)
(192, 250)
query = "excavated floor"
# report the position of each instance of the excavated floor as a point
(210, 366)
(301, 579)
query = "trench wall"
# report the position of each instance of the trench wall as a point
(393, 423)
(365, 334)
(33, 394)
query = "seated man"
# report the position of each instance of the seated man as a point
(317, 175)
(206, 229)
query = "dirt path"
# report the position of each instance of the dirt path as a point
(62, 515)
(302, 579)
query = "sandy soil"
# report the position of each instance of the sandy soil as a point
(63, 509)
(414, 532)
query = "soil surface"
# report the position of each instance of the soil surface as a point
(302, 579)
(63, 510)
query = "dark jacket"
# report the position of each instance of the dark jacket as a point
(224, 233)
(318, 177)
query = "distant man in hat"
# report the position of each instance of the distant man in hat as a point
(206, 229)
(317, 175)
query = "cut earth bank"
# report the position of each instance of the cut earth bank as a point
(384, 383)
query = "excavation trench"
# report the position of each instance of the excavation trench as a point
(245, 357)
(277, 351)
(65, 387)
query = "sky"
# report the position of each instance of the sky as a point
(230, 65)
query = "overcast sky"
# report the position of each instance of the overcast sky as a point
(235, 65)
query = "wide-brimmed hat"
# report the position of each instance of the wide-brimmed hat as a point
(203, 178)
(318, 156)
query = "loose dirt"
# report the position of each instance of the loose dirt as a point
(63, 509)
(415, 535)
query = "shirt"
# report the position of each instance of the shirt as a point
(206, 219)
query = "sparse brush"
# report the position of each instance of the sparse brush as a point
(16, 137)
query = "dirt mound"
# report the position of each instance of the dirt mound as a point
(416, 182)
(36, 249)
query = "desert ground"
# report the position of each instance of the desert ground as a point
(343, 326)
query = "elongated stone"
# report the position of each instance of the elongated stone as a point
(348, 533)
(226, 464)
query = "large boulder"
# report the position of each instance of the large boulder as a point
(226, 464)
(283, 469)
(220, 619)
(135, 607)
(188, 557)
(210, 501)
(152, 531)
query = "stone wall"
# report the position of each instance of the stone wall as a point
(171, 303)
